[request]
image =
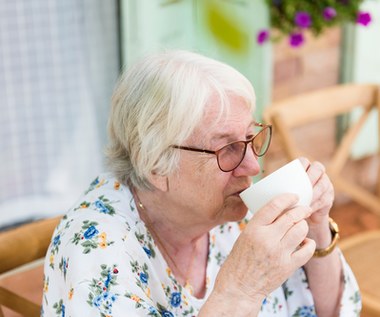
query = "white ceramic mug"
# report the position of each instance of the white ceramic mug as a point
(290, 178)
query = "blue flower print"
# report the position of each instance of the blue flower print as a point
(97, 301)
(59, 308)
(100, 295)
(104, 301)
(153, 310)
(102, 208)
(104, 205)
(57, 240)
(166, 313)
(305, 311)
(95, 182)
(147, 251)
(175, 300)
(108, 300)
(108, 280)
(63, 265)
(144, 277)
(90, 232)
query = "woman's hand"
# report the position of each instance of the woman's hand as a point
(323, 198)
(271, 247)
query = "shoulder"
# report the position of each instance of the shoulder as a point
(102, 227)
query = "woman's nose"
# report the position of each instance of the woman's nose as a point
(249, 165)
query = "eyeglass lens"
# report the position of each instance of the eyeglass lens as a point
(230, 156)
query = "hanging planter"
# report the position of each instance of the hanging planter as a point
(291, 18)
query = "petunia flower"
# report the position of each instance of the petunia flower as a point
(302, 19)
(296, 39)
(262, 36)
(329, 13)
(363, 18)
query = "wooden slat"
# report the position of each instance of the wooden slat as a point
(21, 246)
(325, 104)
(330, 102)
(26, 243)
(19, 304)
(343, 151)
(357, 193)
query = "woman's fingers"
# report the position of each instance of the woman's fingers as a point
(304, 253)
(271, 211)
(305, 162)
(295, 235)
(290, 218)
(315, 171)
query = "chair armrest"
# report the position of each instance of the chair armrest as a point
(26, 243)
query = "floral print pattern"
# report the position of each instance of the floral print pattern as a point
(102, 261)
(100, 295)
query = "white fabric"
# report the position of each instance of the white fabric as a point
(103, 262)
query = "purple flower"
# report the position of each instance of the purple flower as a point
(363, 18)
(262, 36)
(296, 39)
(302, 19)
(329, 13)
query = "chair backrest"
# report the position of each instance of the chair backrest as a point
(20, 246)
(327, 103)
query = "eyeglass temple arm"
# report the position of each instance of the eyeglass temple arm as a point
(193, 149)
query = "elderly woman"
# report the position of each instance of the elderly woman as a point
(165, 233)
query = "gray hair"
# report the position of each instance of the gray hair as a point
(157, 103)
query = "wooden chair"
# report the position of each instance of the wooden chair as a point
(362, 252)
(323, 104)
(18, 248)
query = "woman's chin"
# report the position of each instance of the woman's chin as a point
(238, 212)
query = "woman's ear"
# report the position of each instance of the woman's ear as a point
(159, 181)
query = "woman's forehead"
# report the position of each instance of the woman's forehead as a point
(229, 124)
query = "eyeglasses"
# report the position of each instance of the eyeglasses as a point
(231, 155)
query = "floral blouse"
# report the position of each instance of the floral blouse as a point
(103, 262)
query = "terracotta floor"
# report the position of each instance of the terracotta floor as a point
(352, 218)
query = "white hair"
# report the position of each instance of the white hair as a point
(157, 103)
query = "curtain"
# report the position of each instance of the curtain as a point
(59, 61)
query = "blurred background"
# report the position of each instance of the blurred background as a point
(59, 62)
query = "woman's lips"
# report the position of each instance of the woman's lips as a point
(240, 191)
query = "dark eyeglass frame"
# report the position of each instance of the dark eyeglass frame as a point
(262, 125)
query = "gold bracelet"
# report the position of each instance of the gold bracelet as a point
(318, 253)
